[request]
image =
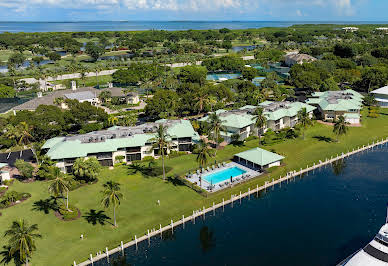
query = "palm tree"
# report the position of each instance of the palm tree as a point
(204, 152)
(97, 69)
(83, 73)
(12, 73)
(162, 143)
(112, 196)
(20, 133)
(304, 119)
(212, 101)
(112, 120)
(202, 99)
(22, 239)
(340, 127)
(260, 121)
(59, 185)
(58, 101)
(215, 128)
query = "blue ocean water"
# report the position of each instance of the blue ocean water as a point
(317, 220)
(6, 26)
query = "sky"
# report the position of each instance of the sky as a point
(261, 10)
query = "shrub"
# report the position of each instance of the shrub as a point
(11, 197)
(119, 159)
(148, 158)
(251, 138)
(68, 215)
(26, 170)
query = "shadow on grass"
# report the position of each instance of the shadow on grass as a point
(46, 205)
(238, 143)
(175, 181)
(7, 256)
(93, 217)
(150, 170)
(323, 138)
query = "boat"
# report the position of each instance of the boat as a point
(373, 254)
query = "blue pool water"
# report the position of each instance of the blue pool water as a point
(224, 175)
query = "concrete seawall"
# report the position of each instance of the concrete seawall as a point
(202, 212)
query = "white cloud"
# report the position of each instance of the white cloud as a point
(342, 7)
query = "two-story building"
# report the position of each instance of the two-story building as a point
(381, 96)
(332, 104)
(241, 121)
(281, 115)
(115, 144)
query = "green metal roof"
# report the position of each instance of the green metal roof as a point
(52, 142)
(259, 156)
(60, 148)
(340, 105)
(291, 110)
(232, 119)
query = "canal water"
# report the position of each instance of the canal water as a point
(318, 219)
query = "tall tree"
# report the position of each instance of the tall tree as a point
(59, 186)
(204, 153)
(260, 121)
(304, 119)
(215, 128)
(162, 143)
(340, 127)
(20, 133)
(22, 239)
(202, 99)
(111, 196)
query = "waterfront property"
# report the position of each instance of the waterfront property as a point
(381, 96)
(119, 144)
(332, 104)
(245, 165)
(221, 176)
(241, 121)
(281, 115)
(258, 159)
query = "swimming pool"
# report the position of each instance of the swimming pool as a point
(223, 175)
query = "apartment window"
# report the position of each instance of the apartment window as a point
(134, 157)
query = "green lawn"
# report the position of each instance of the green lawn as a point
(138, 212)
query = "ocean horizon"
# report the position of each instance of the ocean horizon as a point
(138, 25)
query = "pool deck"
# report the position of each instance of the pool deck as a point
(249, 173)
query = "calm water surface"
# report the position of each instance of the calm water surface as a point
(148, 25)
(318, 220)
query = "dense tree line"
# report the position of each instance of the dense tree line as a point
(48, 121)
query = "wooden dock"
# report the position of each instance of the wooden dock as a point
(202, 212)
